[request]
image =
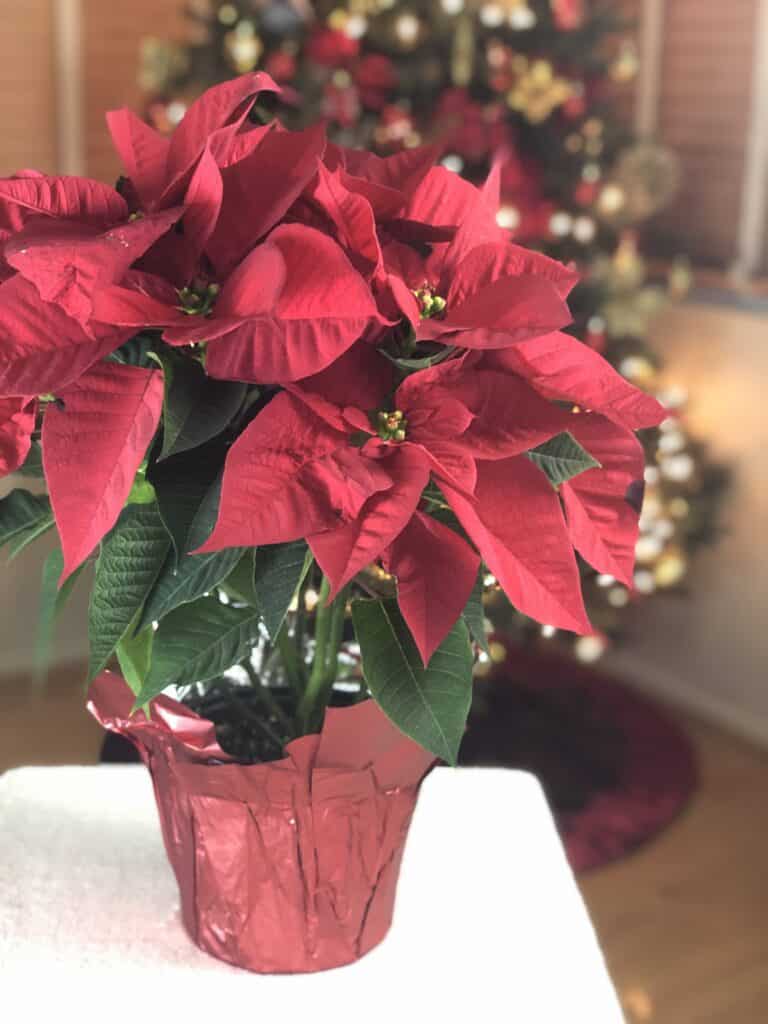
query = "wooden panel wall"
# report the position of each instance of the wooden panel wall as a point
(112, 35)
(27, 112)
(706, 83)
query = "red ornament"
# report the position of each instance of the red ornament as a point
(568, 14)
(585, 192)
(283, 867)
(341, 103)
(375, 77)
(521, 189)
(331, 48)
(281, 66)
(575, 106)
(470, 129)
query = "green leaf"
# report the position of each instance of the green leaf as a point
(134, 653)
(239, 585)
(181, 483)
(142, 492)
(196, 407)
(33, 464)
(137, 351)
(561, 458)
(198, 642)
(21, 540)
(128, 564)
(194, 576)
(474, 616)
(52, 600)
(20, 512)
(428, 704)
(280, 569)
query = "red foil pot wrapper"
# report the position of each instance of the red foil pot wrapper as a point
(283, 867)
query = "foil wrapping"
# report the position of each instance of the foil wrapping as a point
(284, 867)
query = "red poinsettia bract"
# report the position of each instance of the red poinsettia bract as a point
(406, 357)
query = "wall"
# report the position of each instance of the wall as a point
(710, 650)
(111, 39)
(27, 110)
(705, 95)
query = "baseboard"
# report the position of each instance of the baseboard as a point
(671, 689)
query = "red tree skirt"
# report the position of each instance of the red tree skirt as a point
(616, 768)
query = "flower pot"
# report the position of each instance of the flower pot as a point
(283, 867)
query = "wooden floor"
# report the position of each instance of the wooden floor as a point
(684, 922)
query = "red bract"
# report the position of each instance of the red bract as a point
(478, 290)
(70, 262)
(94, 441)
(42, 349)
(407, 360)
(602, 505)
(17, 421)
(560, 367)
(464, 431)
(289, 309)
(159, 169)
(187, 169)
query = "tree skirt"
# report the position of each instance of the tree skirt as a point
(615, 767)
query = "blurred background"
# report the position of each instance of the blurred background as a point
(633, 140)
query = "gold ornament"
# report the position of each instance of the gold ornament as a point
(463, 51)
(626, 63)
(648, 175)
(537, 90)
(671, 568)
(160, 63)
(228, 14)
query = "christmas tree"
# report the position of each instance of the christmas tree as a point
(532, 86)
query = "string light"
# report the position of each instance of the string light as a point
(492, 15)
(589, 648)
(584, 230)
(508, 217)
(521, 18)
(407, 28)
(453, 162)
(560, 223)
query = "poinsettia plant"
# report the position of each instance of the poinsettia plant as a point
(293, 401)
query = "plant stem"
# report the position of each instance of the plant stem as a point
(289, 652)
(329, 628)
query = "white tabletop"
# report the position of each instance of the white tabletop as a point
(489, 924)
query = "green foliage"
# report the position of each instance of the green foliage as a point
(562, 458)
(196, 407)
(428, 704)
(130, 559)
(198, 642)
(52, 600)
(474, 616)
(194, 576)
(23, 514)
(239, 585)
(279, 570)
(188, 488)
(33, 464)
(134, 654)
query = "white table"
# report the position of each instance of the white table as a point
(489, 924)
